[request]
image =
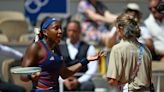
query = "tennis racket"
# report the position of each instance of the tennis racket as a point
(24, 70)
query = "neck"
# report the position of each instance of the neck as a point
(132, 39)
(74, 41)
(50, 44)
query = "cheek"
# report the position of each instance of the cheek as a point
(69, 32)
(53, 35)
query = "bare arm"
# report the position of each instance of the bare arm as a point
(110, 17)
(111, 39)
(97, 17)
(67, 72)
(149, 44)
(29, 59)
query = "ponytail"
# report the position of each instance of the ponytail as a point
(44, 25)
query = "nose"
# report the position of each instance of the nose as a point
(153, 9)
(60, 31)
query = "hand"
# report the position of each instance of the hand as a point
(95, 57)
(35, 76)
(68, 83)
(75, 83)
(71, 83)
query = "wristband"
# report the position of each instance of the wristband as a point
(29, 77)
(84, 62)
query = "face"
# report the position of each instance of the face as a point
(73, 32)
(153, 8)
(54, 32)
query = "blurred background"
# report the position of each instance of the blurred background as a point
(19, 18)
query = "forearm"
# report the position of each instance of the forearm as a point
(69, 71)
(111, 39)
(66, 72)
(96, 17)
(110, 17)
(149, 44)
(74, 68)
(161, 53)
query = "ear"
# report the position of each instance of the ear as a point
(45, 33)
(120, 29)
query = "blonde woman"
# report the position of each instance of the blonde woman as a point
(129, 68)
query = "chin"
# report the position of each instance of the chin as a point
(57, 42)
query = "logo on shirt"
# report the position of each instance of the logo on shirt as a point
(52, 58)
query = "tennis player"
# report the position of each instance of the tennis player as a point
(45, 53)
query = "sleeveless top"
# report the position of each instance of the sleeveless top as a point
(50, 66)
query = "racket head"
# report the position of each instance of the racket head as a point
(24, 70)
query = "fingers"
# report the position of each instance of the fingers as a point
(101, 53)
(35, 76)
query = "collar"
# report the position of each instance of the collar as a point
(76, 45)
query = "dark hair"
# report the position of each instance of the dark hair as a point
(41, 35)
(76, 22)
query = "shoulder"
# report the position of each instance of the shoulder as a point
(84, 43)
(116, 48)
(121, 46)
(31, 55)
(91, 48)
(149, 19)
(34, 47)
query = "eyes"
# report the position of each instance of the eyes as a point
(57, 27)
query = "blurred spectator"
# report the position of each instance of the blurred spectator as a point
(95, 19)
(9, 52)
(155, 24)
(145, 38)
(73, 50)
